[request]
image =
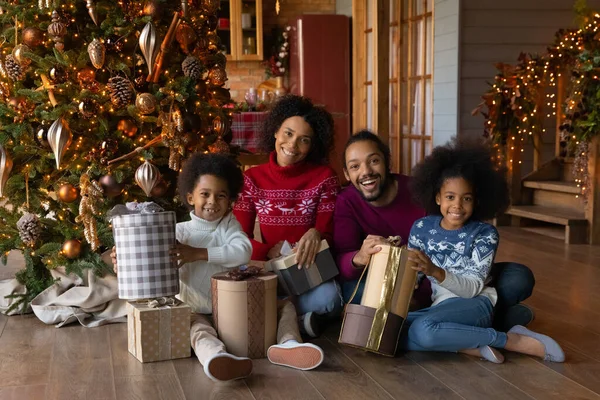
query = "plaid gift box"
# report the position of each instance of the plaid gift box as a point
(143, 243)
(246, 128)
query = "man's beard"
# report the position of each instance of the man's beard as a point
(384, 185)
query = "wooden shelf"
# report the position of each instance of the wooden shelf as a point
(554, 186)
(549, 214)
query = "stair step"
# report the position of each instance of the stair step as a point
(554, 186)
(549, 214)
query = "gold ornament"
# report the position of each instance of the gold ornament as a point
(145, 103)
(151, 8)
(32, 37)
(128, 127)
(186, 36)
(217, 76)
(91, 195)
(210, 6)
(43, 4)
(219, 146)
(57, 31)
(71, 248)
(97, 53)
(149, 45)
(67, 193)
(19, 54)
(91, 6)
(172, 129)
(59, 138)
(86, 75)
(6, 165)
(146, 176)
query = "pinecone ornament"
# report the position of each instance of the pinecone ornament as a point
(192, 67)
(30, 228)
(121, 91)
(14, 69)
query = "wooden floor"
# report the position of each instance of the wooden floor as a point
(38, 361)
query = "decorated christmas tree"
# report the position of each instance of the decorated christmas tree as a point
(100, 103)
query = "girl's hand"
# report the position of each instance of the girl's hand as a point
(308, 247)
(113, 258)
(184, 254)
(275, 251)
(371, 245)
(421, 263)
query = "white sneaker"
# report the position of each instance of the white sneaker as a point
(225, 367)
(302, 356)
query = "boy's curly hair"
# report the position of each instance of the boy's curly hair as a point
(217, 165)
(470, 160)
(318, 118)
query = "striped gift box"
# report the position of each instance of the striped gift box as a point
(143, 243)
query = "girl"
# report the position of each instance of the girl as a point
(458, 186)
(294, 196)
(211, 242)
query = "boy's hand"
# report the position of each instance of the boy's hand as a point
(113, 258)
(421, 263)
(184, 254)
(275, 250)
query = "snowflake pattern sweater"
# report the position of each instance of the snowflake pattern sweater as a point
(288, 202)
(466, 254)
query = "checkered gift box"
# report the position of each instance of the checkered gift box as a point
(143, 243)
(246, 128)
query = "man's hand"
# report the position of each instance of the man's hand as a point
(307, 248)
(275, 250)
(421, 263)
(371, 245)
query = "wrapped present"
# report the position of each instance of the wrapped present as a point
(158, 330)
(144, 236)
(375, 324)
(297, 281)
(245, 311)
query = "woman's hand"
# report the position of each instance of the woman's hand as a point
(371, 245)
(421, 263)
(184, 254)
(307, 248)
(113, 258)
(275, 251)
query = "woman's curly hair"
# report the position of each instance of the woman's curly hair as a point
(320, 121)
(209, 164)
(470, 160)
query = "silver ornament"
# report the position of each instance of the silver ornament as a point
(59, 138)
(6, 165)
(147, 176)
(91, 6)
(148, 45)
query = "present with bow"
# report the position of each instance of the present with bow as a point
(158, 329)
(244, 304)
(144, 236)
(375, 324)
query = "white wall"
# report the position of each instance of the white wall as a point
(446, 68)
(344, 7)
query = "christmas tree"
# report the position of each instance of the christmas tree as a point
(100, 102)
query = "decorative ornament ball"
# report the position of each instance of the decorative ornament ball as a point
(86, 75)
(58, 74)
(32, 37)
(19, 54)
(111, 187)
(128, 127)
(17, 102)
(67, 193)
(186, 36)
(71, 248)
(145, 103)
(151, 8)
(219, 146)
(160, 189)
(217, 76)
(200, 88)
(210, 6)
(212, 22)
(88, 108)
(41, 135)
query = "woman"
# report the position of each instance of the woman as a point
(293, 196)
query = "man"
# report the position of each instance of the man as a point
(378, 205)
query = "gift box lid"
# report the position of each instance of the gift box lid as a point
(285, 262)
(143, 306)
(225, 282)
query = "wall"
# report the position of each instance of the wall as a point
(497, 31)
(246, 74)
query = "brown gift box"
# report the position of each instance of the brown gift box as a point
(157, 334)
(376, 323)
(245, 313)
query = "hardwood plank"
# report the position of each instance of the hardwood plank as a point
(3, 320)
(124, 364)
(339, 378)
(466, 377)
(23, 392)
(149, 387)
(400, 376)
(555, 186)
(548, 214)
(25, 353)
(269, 381)
(81, 366)
(536, 379)
(196, 385)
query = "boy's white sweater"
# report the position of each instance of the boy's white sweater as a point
(227, 246)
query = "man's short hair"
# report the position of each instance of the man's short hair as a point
(367, 135)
